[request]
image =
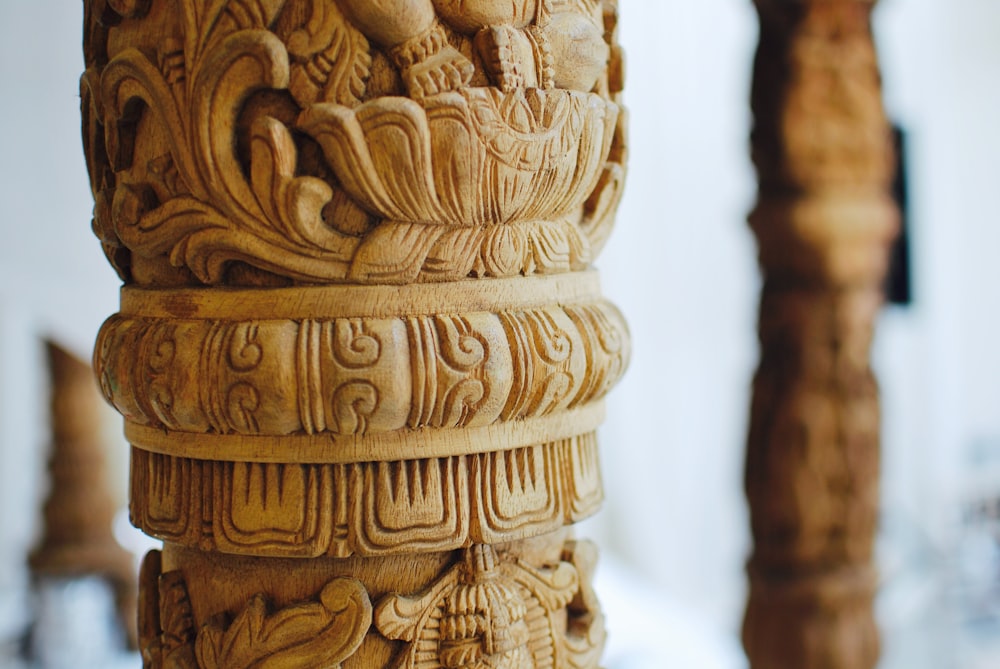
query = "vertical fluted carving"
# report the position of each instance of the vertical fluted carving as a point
(361, 353)
(824, 219)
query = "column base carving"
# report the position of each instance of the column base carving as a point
(523, 604)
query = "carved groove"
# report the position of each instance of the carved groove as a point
(371, 508)
(341, 376)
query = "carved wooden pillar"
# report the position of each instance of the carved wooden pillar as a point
(360, 354)
(77, 538)
(824, 220)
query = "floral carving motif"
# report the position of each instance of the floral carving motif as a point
(475, 157)
(199, 155)
(331, 59)
(306, 635)
(303, 636)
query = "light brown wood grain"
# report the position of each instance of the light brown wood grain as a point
(361, 351)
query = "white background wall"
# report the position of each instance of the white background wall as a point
(53, 280)
(681, 265)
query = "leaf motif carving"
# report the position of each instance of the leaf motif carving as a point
(293, 203)
(473, 157)
(214, 97)
(406, 252)
(600, 208)
(129, 79)
(332, 58)
(207, 21)
(554, 587)
(394, 252)
(239, 65)
(504, 250)
(585, 635)
(311, 635)
(273, 220)
(455, 254)
(382, 154)
(402, 617)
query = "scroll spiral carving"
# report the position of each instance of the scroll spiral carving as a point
(351, 376)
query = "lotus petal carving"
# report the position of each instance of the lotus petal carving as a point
(474, 157)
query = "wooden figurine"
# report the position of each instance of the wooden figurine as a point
(361, 353)
(824, 221)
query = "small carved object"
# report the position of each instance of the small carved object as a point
(824, 221)
(493, 612)
(77, 537)
(361, 351)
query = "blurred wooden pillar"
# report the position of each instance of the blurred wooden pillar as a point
(361, 352)
(77, 537)
(824, 220)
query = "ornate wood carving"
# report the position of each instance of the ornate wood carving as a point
(361, 353)
(824, 220)
(77, 537)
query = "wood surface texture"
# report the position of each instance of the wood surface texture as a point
(361, 354)
(824, 220)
